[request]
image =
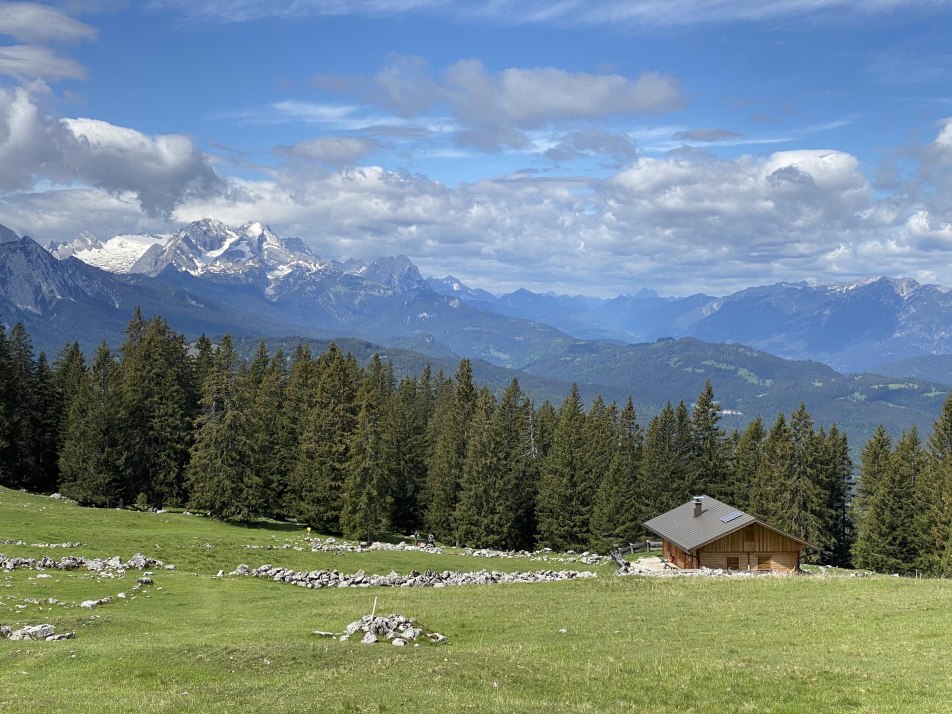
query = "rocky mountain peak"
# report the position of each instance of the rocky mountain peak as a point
(395, 272)
(7, 235)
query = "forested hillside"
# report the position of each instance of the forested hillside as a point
(349, 449)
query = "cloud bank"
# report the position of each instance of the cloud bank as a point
(645, 14)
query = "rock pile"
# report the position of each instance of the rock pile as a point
(285, 546)
(67, 544)
(429, 579)
(72, 562)
(656, 567)
(399, 630)
(331, 545)
(34, 632)
(92, 604)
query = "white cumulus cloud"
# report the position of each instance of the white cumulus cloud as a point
(33, 22)
(27, 62)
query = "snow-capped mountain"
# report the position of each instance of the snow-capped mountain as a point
(251, 253)
(117, 255)
(852, 326)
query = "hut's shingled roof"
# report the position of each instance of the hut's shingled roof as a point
(681, 527)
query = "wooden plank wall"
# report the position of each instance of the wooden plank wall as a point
(671, 553)
(779, 562)
(754, 538)
(755, 547)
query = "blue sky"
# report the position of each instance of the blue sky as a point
(576, 146)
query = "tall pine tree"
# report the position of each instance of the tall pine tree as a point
(620, 504)
(558, 484)
(324, 446)
(368, 482)
(448, 439)
(89, 459)
(221, 474)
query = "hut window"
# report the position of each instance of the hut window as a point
(763, 562)
(733, 563)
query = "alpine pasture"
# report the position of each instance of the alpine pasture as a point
(196, 642)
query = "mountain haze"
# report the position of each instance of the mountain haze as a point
(210, 278)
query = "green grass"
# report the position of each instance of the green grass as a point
(193, 642)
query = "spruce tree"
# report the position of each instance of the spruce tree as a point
(21, 410)
(873, 471)
(666, 459)
(481, 519)
(6, 407)
(937, 489)
(769, 499)
(221, 473)
(620, 502)
(48, 409)
(515, 424)
(448, 440)
(894, 537)
(408, 420)
(298, 401)
(542, 430)
(838, 477)
(368, 485)
(803, 503)
(262, 399)
(69, 372)
(558, 484)
(599, 439)
(89, 459)
(324, 446)
(708, 472)
(746, 462)
(155, 413)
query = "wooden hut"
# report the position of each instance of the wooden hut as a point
(707, 533)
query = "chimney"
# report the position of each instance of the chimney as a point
(697, 505)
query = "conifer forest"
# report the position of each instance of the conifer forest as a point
(349, 449)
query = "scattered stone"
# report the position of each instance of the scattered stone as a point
(92, 604)
(72, 562)
(34, 632)
(399, 629)
(61, 636)
(656, 567)
(430, 579)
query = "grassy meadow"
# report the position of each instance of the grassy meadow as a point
(194, 642)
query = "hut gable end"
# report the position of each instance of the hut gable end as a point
(705, 532)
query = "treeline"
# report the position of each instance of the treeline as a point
(349, 449)
(903, 505)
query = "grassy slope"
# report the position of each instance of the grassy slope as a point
(196, 643)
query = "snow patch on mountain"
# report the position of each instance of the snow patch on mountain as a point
(116, 255)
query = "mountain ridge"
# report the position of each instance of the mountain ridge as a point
(852, 326)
